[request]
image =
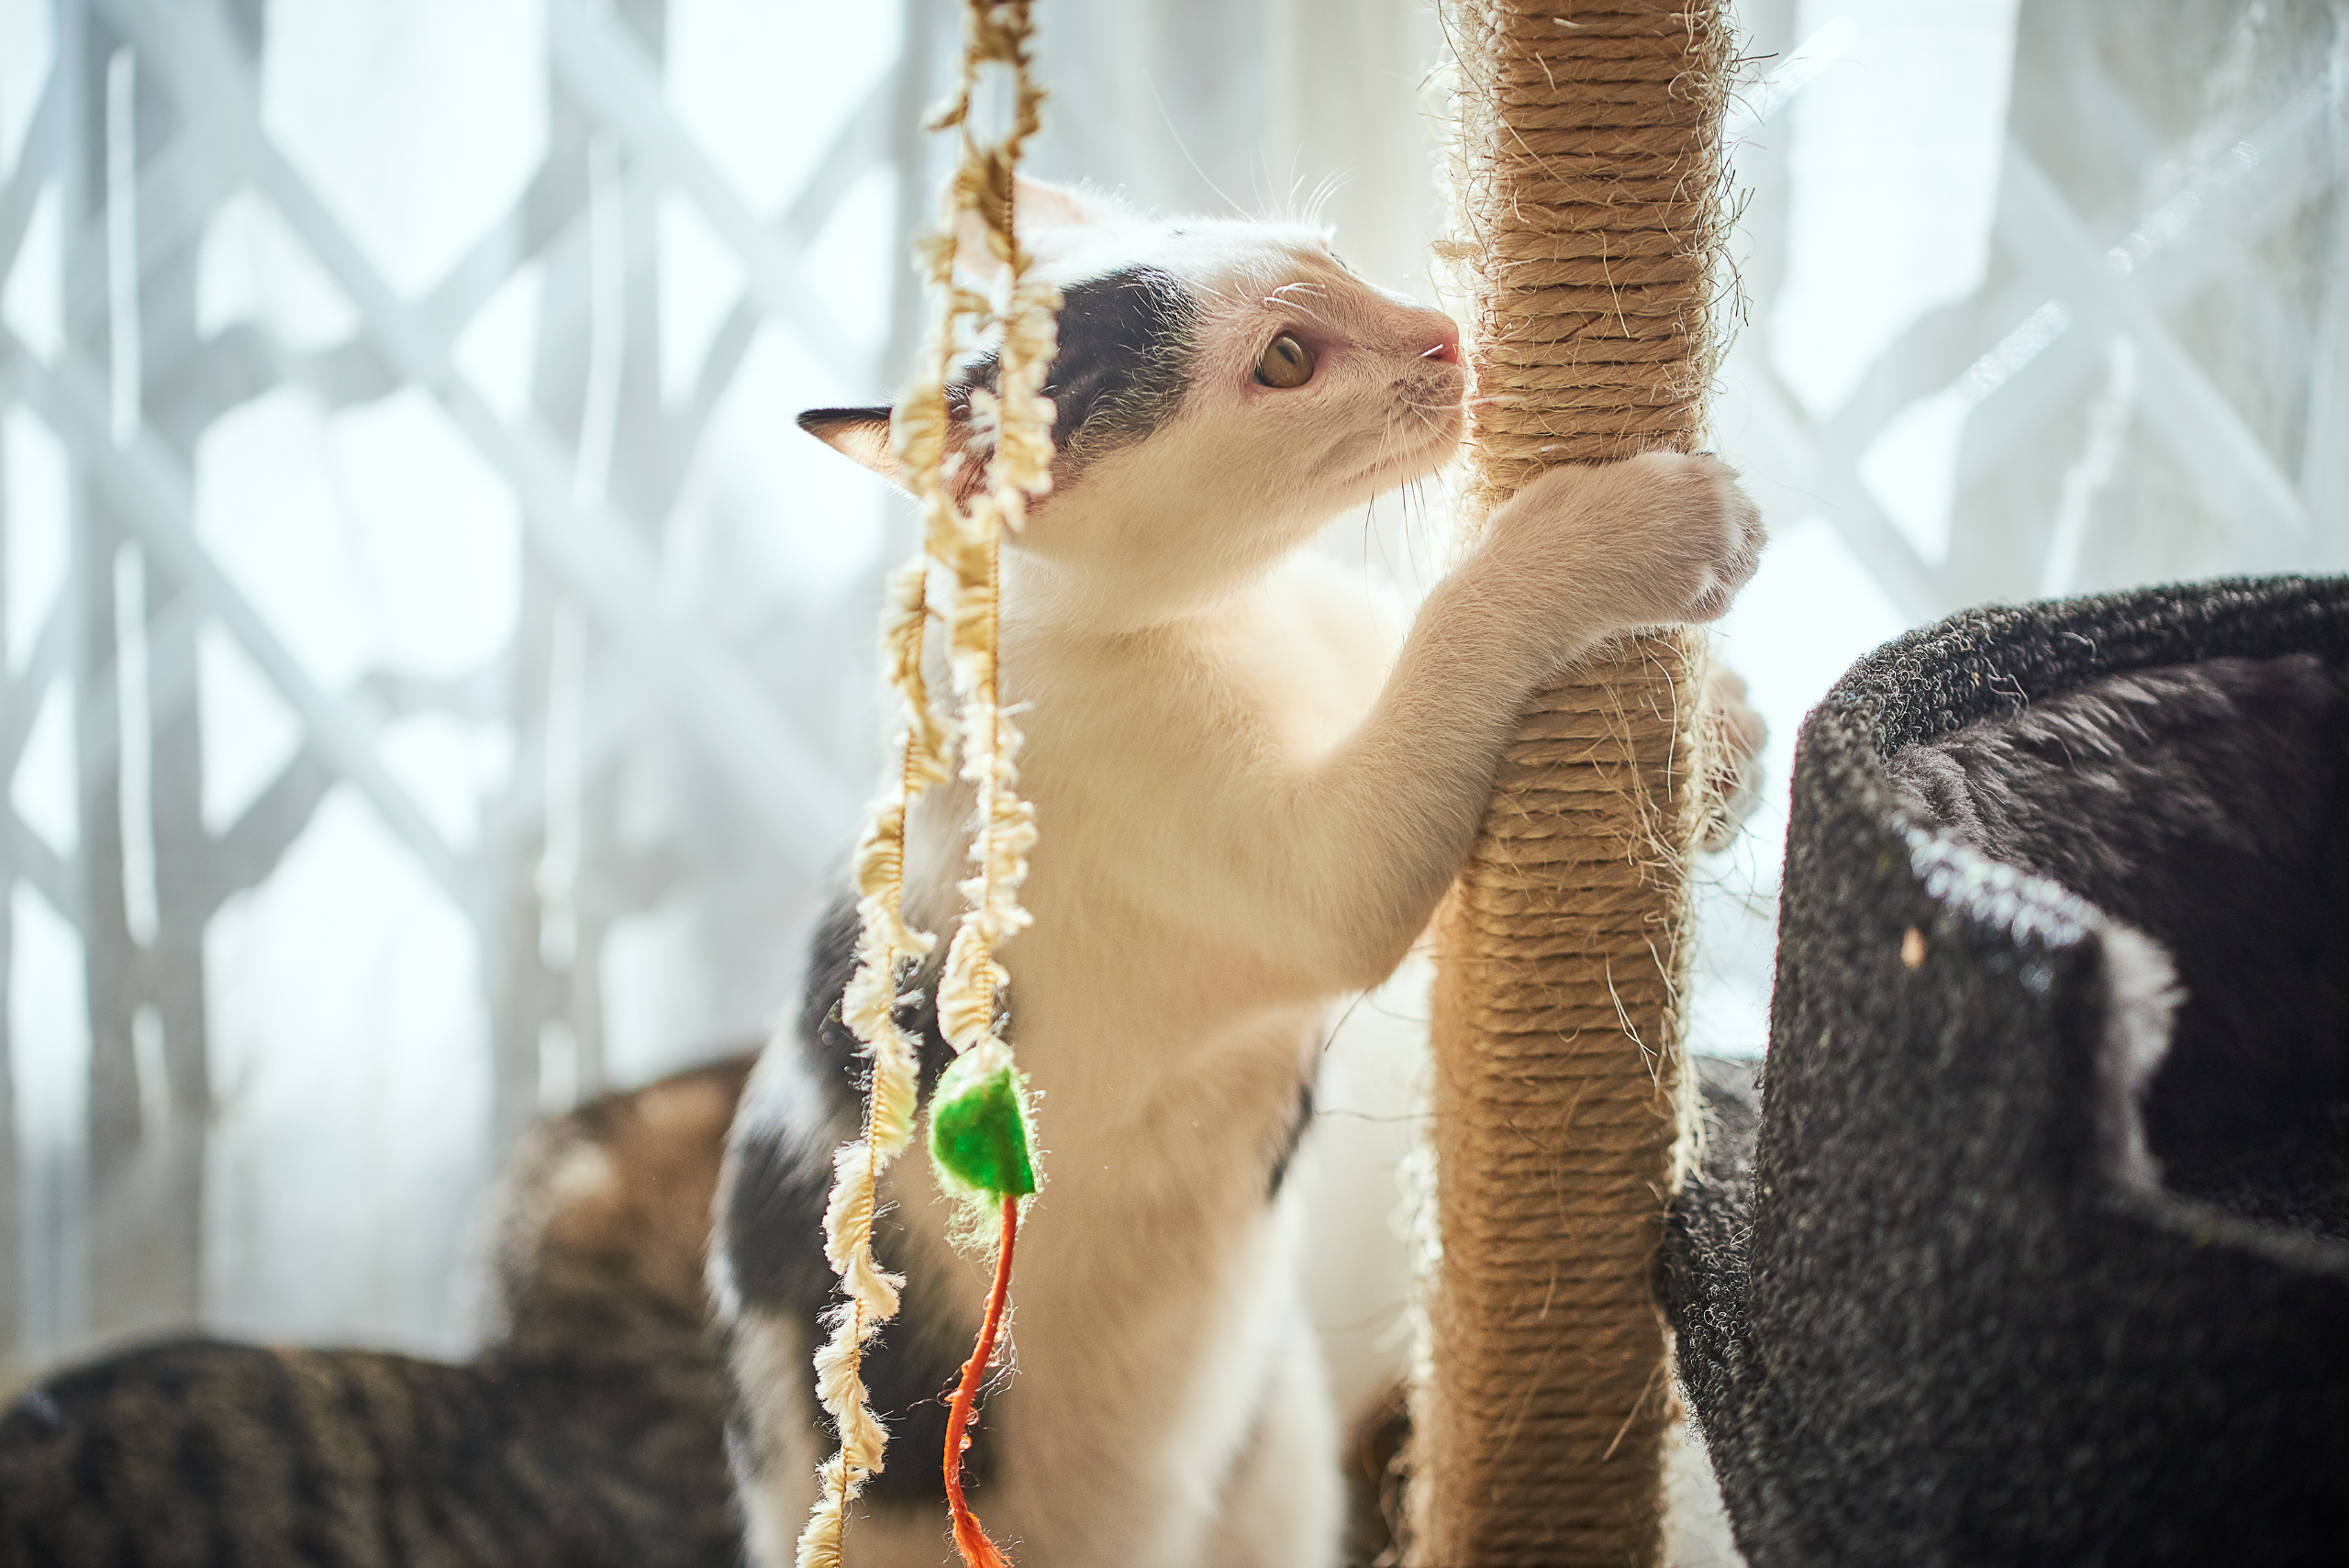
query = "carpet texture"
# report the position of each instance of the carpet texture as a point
(2037, 1249)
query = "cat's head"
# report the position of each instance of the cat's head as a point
(1221, 389)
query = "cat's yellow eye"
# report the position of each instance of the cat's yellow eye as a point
(1285, 362)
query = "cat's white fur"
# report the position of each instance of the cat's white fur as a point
(1250, 800)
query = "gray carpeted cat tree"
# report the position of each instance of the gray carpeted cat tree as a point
(2041, 1254)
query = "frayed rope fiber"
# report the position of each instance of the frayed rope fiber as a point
(1585, 175)
(980, 1114)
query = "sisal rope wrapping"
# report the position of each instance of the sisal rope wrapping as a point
(1586, 180)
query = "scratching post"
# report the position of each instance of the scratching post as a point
(1585, 177)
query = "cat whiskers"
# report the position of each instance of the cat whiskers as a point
(1308, 214)
(1444, 419)
(1369, 538)
(1417, 454)
(1279, 297)
(1410, 498)
(1415, 509)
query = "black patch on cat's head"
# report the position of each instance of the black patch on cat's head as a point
(1123, 362)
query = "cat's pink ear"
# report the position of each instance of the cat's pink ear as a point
(860, 433)
(1046, 209)
(1053, 220)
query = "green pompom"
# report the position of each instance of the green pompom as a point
(978, 1127)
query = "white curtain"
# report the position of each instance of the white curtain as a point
(436, 675)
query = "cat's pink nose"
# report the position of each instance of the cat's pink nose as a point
(1446, 349)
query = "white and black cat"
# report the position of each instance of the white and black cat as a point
(1251, 800)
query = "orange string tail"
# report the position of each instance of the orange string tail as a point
(972, 1541)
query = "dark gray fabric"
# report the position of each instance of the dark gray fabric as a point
(1704, 1258)
(2011, 1279)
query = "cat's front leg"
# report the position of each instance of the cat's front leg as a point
(1733, 782)
(1282, 1503)
(1580, 555)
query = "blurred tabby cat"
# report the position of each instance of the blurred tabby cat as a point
(588, 1432)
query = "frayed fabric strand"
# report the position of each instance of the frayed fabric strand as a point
(961, 550)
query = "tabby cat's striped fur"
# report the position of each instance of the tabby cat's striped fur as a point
(587, 1432)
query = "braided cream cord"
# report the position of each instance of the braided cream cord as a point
(1017, 421)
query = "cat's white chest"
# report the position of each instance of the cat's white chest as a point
(1264, 684)
(1148, 756)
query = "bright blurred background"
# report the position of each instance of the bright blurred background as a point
(434, 677)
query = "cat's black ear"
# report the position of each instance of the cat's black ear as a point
(862, 433)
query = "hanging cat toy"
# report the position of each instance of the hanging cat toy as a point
(980, 1135)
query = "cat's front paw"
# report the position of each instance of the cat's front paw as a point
(1654, 539)
(1734, 736)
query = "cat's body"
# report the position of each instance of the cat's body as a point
(587, 1432)
(1249, 803)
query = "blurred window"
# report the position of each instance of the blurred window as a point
(437, 675)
